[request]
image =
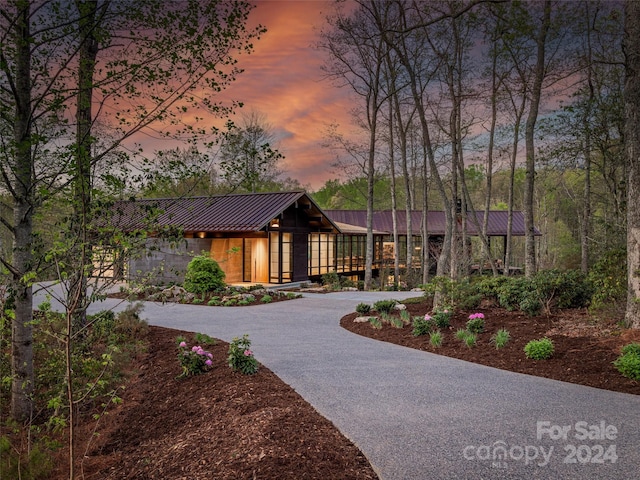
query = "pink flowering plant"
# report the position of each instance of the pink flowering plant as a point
(240, 356)
(475, 324)
(442, 317)
(193, 360)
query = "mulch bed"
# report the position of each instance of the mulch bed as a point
(583, 351)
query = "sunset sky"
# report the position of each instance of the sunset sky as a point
(283, 80)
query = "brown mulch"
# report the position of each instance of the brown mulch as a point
(225, 425)
(584, 351)
(219, 425)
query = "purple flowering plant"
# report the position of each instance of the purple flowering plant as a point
(475, 324)
(194, 360)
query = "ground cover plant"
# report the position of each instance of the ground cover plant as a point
(584, 347)
(217, 424)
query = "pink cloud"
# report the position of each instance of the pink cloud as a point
(283, 79)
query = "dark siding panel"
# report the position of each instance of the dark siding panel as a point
(300, 257)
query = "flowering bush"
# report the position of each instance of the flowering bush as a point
(194, 360)
(476, 323)
(240, 356)
(442, 318)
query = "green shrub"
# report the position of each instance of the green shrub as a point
(384, 306)
(266, 299)
(396, 322)
(435, 338)
(363, 308)
(442, 318)
(500, 338)
(331, 280)
(608, 278)
(214, 301)
(489, 286)
(475, 324)
(530, 303)
(461, 334)
(244, 302)
(628, 364)
(631, 348)
(35, 464)
(423, 325)
(470, 339)
(375, 323)
(541, 349)
(240, 357)
(194, 360)
(203, 275)
(232, 302)
(405, 316)
(511, 292)
(563, 289)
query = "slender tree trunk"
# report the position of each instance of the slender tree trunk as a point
(22, 382)
(530, 249)
(586, 211)
(632, 147)
(394, 200)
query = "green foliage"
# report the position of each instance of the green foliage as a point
(631, 348)
(541, 349)
(442, 318)
(396, 322)
(476, 324)
(511, 292)
(500, 338)
(194, 360)
(628, 363)
(563, 289)
(423, 325)
(36, 464)
(203, 275)
(331, 280)
(375, 323)
(214, 301)
(384, 306)
(436, 338)
(462, 294)
(461, 333)
(266, 299)
(530, 303)
(363, 308)
(489, 286)
(470, 339)
(240, 357)
(609, 279)
(405, 316)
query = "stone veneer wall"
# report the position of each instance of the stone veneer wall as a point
(167, 263)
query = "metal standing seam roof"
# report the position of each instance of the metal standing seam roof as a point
(436, 221)
(219, 213)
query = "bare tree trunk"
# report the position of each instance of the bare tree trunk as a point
(530, 248)
(394, 200)
(632, 147)
(22, 381)
(586, 122)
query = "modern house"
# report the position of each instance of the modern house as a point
(270, 238)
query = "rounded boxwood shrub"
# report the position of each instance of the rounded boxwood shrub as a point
(384, 306)
(539, 349)
(363, 308)
(628, 364)
(203, 275)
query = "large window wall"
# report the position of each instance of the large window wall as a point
(281, 257)
(322, 253)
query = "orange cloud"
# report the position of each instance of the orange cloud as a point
(283, 80)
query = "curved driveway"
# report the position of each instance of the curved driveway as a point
(416, 415)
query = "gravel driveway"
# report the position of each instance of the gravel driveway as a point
(416, 415)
